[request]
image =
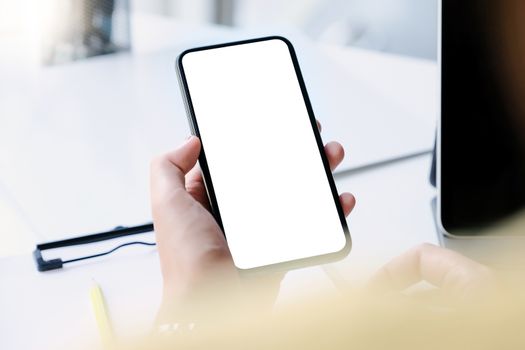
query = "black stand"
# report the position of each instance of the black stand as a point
(47, 265)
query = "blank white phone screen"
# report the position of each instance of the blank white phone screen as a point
(272, 190)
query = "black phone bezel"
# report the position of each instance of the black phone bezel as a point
(192, 119)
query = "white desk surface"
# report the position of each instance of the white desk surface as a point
(392, 215)
(74, 150)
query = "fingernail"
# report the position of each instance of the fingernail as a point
(189, 138)
(185, 142)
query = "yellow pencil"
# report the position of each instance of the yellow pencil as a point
(101, 316)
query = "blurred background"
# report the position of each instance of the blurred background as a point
(88, 94)
(406, 27)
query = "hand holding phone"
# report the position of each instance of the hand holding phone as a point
(193, 252)
(265, 171)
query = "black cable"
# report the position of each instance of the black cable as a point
(108, 252)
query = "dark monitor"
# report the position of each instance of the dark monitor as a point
(482, 130)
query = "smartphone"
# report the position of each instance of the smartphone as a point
(268, 180)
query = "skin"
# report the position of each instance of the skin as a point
(458, 279)
(192, 249)
(194, 254)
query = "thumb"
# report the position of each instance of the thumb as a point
(191, 245)
(167, 174)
